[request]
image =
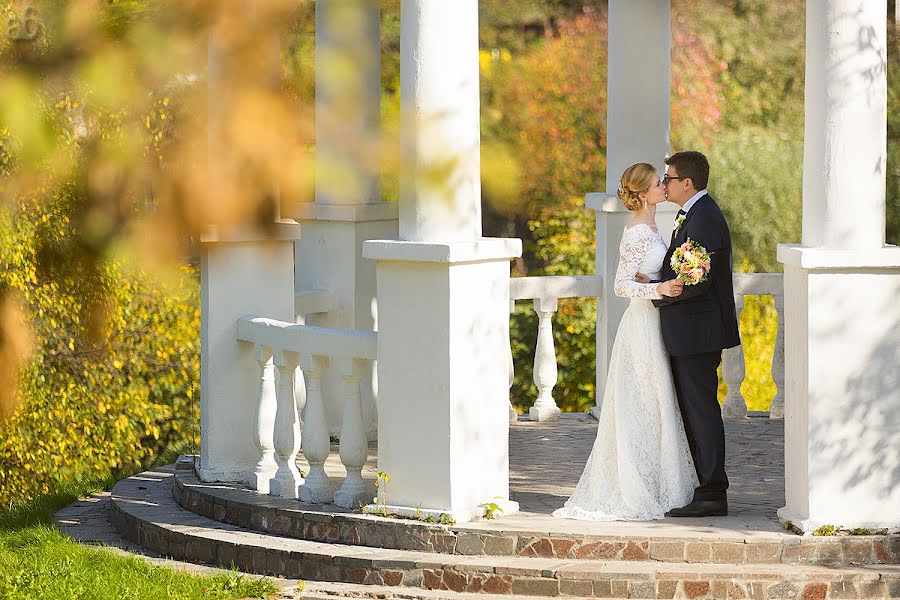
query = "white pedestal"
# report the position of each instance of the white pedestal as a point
(611, 219)
(241, 274)
(329, 257)
(842, 396)
(443, 339)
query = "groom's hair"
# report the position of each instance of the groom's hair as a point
(691, 164)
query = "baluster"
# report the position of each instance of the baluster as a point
(264, 423)
(300, 394)
(513, 414)
(545, 372)
(316, 487)
(734, 371)
(776, 411)
(287, 429)
(354, 449)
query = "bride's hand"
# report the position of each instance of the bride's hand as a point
(641, 278)
(671, 288)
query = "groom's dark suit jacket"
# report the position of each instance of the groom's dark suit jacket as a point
(702, 319)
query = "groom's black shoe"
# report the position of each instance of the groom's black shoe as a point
(701, 508)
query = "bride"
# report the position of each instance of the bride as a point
(640, 465)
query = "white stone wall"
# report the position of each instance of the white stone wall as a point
(238, 278)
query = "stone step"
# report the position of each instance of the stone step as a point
(321, 590)
(527, 537)
(143, 509)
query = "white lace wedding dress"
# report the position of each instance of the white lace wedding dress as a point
(640, 465)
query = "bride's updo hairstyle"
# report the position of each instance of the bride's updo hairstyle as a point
(636, 180)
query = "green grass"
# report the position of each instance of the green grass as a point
(37, 561)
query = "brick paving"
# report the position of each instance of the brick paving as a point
(546, 460)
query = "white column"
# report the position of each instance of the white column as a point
(443, 291)
(348, 208)
(637, 130)
(440, 184)
(637, 117)
(348, 96)
(234, 268)
(845, 155)
(842, 318)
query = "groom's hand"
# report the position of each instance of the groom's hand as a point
(671, 288)
(641, 278)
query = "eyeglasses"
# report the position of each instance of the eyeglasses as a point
(668, 178)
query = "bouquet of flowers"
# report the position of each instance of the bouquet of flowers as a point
(691, 262)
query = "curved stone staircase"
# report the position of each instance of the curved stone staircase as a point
(169, 511)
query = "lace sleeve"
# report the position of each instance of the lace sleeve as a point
(632, 250)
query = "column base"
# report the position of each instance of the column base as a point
(443, 405)
(235, 266)
(329, 257)
(842, 393)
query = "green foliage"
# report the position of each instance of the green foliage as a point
(789, 526)
(381, 481)
(563, 244)
(761, 45)
(446, 519)
(113, 381)
(755, 177)
(490, 509)
(827, 530)
(37, 561)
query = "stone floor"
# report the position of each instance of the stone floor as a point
(546, 460)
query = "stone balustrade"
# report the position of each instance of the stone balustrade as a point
(546, 291)
(284, 351)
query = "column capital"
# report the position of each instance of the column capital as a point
(479, 250)
(795, 255)
(283, 230)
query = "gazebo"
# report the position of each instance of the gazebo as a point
(392, 320)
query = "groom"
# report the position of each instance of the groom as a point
(697, 326)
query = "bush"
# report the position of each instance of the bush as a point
(113, 378)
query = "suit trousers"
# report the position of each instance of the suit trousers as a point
(696, 383)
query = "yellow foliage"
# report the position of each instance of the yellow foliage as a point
(93, 405)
